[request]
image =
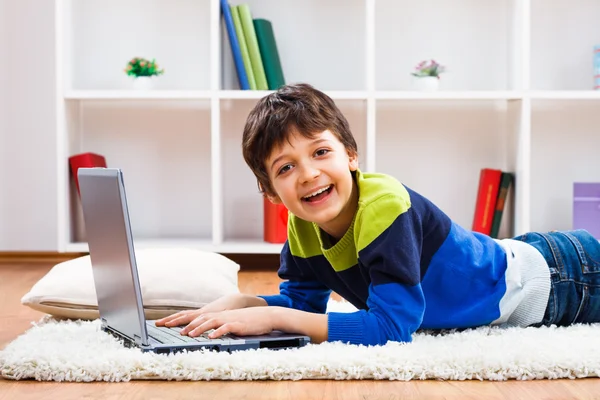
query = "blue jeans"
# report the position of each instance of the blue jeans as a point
(574, 261)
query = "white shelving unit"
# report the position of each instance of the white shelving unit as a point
(517, 96)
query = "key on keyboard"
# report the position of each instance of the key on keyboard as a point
(169, 335)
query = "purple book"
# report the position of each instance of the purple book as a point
(586, 207)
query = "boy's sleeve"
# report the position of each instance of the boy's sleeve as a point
(392, 254)
(300, 289)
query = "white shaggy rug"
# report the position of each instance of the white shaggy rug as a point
(78, 351)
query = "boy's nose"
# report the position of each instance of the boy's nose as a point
(309, 173)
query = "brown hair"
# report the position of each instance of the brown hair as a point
(292, 108)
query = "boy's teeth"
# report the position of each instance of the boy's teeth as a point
(317, 192)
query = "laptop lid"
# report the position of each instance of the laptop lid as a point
(110, 242)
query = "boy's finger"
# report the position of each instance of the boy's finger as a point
(184, 319)
(172, 316)
(222, 330)
(195, 329)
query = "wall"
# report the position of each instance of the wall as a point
(3, 115)
(3, 101)
(28, 205)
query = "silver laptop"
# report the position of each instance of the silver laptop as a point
(116, 279)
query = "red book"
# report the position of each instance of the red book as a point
(489, 184)
(275, 222)
(85, 160)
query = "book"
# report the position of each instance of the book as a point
(506, 181)
(253, 50)
(239, 30)
(235, 46)
(586, 207)
(487, 193)
(275, 222)
(85, 160)
(269, 54)
(597, 67)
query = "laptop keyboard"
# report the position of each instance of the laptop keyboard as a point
(172, 335)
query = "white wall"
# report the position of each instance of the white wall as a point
(3, 113)
(28, 205)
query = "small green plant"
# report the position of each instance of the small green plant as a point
(428, 68)
(139, 66)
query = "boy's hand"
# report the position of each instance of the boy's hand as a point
(229, 302)
(247, 321)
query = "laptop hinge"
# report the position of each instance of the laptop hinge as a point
(128, 342)
(138, 340)
(104, 324)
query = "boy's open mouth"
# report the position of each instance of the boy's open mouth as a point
(318, 195)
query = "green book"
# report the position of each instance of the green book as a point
(269, 53)
(252, 43)
(239, 31)
(505, 183)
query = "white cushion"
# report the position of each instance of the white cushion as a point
(172, 279)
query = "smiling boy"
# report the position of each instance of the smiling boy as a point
(385, 248)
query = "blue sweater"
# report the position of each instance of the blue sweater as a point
(404, 264)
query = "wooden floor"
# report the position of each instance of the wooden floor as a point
(16, 279)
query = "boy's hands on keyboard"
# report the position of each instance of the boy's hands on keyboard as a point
(225, 303)
(241, 322)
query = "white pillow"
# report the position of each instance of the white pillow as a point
(172, 279)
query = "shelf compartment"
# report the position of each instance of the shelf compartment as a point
(473, 39)
(96, 54)
(563, 36)
(163, 149)
(319, 42)
(438, 148)
(565, 140)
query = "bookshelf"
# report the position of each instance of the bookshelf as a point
(517, 96)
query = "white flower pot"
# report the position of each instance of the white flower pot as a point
(426, 83)
(143, 83)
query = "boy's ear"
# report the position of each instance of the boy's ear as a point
(353, 161)
(273, 199)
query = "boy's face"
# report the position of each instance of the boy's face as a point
(312, 178)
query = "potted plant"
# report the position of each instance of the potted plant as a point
(427, 75)
(143, 71)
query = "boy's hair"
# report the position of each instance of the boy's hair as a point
(292, 108)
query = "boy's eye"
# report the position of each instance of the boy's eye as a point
(321, 152)
(284, 169)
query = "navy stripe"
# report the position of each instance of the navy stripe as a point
(436, 227)
(412, 239)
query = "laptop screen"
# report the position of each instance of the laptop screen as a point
(110, 242)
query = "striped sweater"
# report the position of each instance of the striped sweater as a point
(406, 265)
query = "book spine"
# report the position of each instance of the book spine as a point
(597, 67)
(239, 30)
(85, 160)
(268, 51)
(253, 50)
(275, 222)
(505, 182)
(235, 46)
(489, 185)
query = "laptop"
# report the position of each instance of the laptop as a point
(116, 280)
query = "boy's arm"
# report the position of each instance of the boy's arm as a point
(301, 322)
(395, 313)
(391, 252)
(301, 290)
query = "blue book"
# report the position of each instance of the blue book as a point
(597, 67)
(235, 46)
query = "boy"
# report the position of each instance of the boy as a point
(385, 248)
